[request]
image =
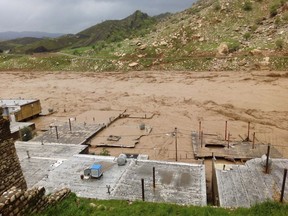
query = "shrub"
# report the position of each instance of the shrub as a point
(217, 6)
(247, 6)
(283, 2)
(273, 10)
(247, 35)
(285, 16)
(279, 44)
(104, 152)
(277, 21)
(233, 46)
(254, 28)
(26, 134)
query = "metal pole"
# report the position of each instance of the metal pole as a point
(226, 130)
(283, 185)
(70, 124)
(176, 158)
(154, 177)
(143, 194)
(248, 137)
(253, 146)
(201, 139)
(200, 129)
(228, 140)
(57, 136)
(267, 159)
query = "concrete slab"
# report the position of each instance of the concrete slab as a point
(99, 116)
(236, 150)
(246, 185)
(43, 158)
(79, 134)
(175, 182)
(16, 126)
(121, 136)
(16, 102)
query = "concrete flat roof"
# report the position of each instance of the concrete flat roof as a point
(16, 102)
(43, 158)
(16, 126)
(55, 167)
(245, 185)
(79, 134)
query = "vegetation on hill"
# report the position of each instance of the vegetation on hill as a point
(81, 206)
(211, 35)
(109, 31)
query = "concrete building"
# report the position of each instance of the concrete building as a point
(246, 185)
(59, 165)
(20, 109)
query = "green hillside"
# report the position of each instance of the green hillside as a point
(211, 35)
(109, 31)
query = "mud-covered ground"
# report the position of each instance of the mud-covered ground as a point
(179, 99)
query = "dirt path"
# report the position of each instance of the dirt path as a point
(180, 99)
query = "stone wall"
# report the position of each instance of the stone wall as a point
(10, 169)
(21, 202)
(15, 199)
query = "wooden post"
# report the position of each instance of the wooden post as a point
(175, 134)
(154, 185)
(253, 145)
(225, 135)
(212, 180)
(200, 129)
(57, 136)
(201, 139)
(267, 159)
(143, 193)
(248, 136)
(283, 185)
(70, 124)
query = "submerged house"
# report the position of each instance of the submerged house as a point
(19, 109)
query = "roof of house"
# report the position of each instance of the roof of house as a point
(246, 185)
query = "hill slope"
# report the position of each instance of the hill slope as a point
(11, 35)
(110, 31)
(211, 35)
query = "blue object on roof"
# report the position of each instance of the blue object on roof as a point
(96, 166)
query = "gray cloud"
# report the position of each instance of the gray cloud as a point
(72, 16)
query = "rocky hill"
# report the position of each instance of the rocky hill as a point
(218, 35)
(211, 35)
(109, 31)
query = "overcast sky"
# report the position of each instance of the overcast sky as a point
(72, 16)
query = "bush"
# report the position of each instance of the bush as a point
(26, 134)
(254, 28)
(233, 46)
(104, 152)
(247, 35)
(217, 6)
(273, 10)
(285, 16)
(279, 44)
(277, 21)
(283, 2)
(247, 6)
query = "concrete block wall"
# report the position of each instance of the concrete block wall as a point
(20, 202)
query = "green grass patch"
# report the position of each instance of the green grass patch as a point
(81, 206)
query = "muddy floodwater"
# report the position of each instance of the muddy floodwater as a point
(177, 99)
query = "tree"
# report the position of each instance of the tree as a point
(26, 134)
